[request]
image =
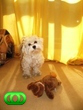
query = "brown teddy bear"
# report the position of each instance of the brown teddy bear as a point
(47, 84)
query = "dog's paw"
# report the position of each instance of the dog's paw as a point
(37, 73)
(26, 76)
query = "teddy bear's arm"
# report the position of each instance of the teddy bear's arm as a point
(49, 92)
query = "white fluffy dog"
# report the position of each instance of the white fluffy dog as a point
(32, 57)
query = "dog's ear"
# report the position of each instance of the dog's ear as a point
(24, 39)
(41, 42)
(41, 39)
(23, 49)
(22, 46)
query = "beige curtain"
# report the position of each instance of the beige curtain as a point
(59, 22)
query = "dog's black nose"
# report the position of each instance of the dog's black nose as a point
(34, 47)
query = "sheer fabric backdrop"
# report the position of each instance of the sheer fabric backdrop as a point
(59, 22)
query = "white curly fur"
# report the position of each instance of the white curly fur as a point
(32, 56)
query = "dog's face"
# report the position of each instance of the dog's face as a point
(32, 44)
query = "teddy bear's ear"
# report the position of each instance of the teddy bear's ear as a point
(34, 88)
(53, 74)
(30, 86)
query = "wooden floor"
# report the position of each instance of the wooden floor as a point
(69, 96)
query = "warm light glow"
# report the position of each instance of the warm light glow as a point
(40, 31)
(51, 68)
(51, 0)
(20, 29)
(27, 24)
(70, 41)
(9, 23)
(71, 1)
(51, 41)
(6, 20)
(15, 0)
(7, 78)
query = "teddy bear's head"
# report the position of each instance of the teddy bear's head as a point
(51, 83)
(37, 88)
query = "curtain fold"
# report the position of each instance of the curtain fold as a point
(59, 22)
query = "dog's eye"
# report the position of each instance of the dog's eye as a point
(29, 44)
(35, 41)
